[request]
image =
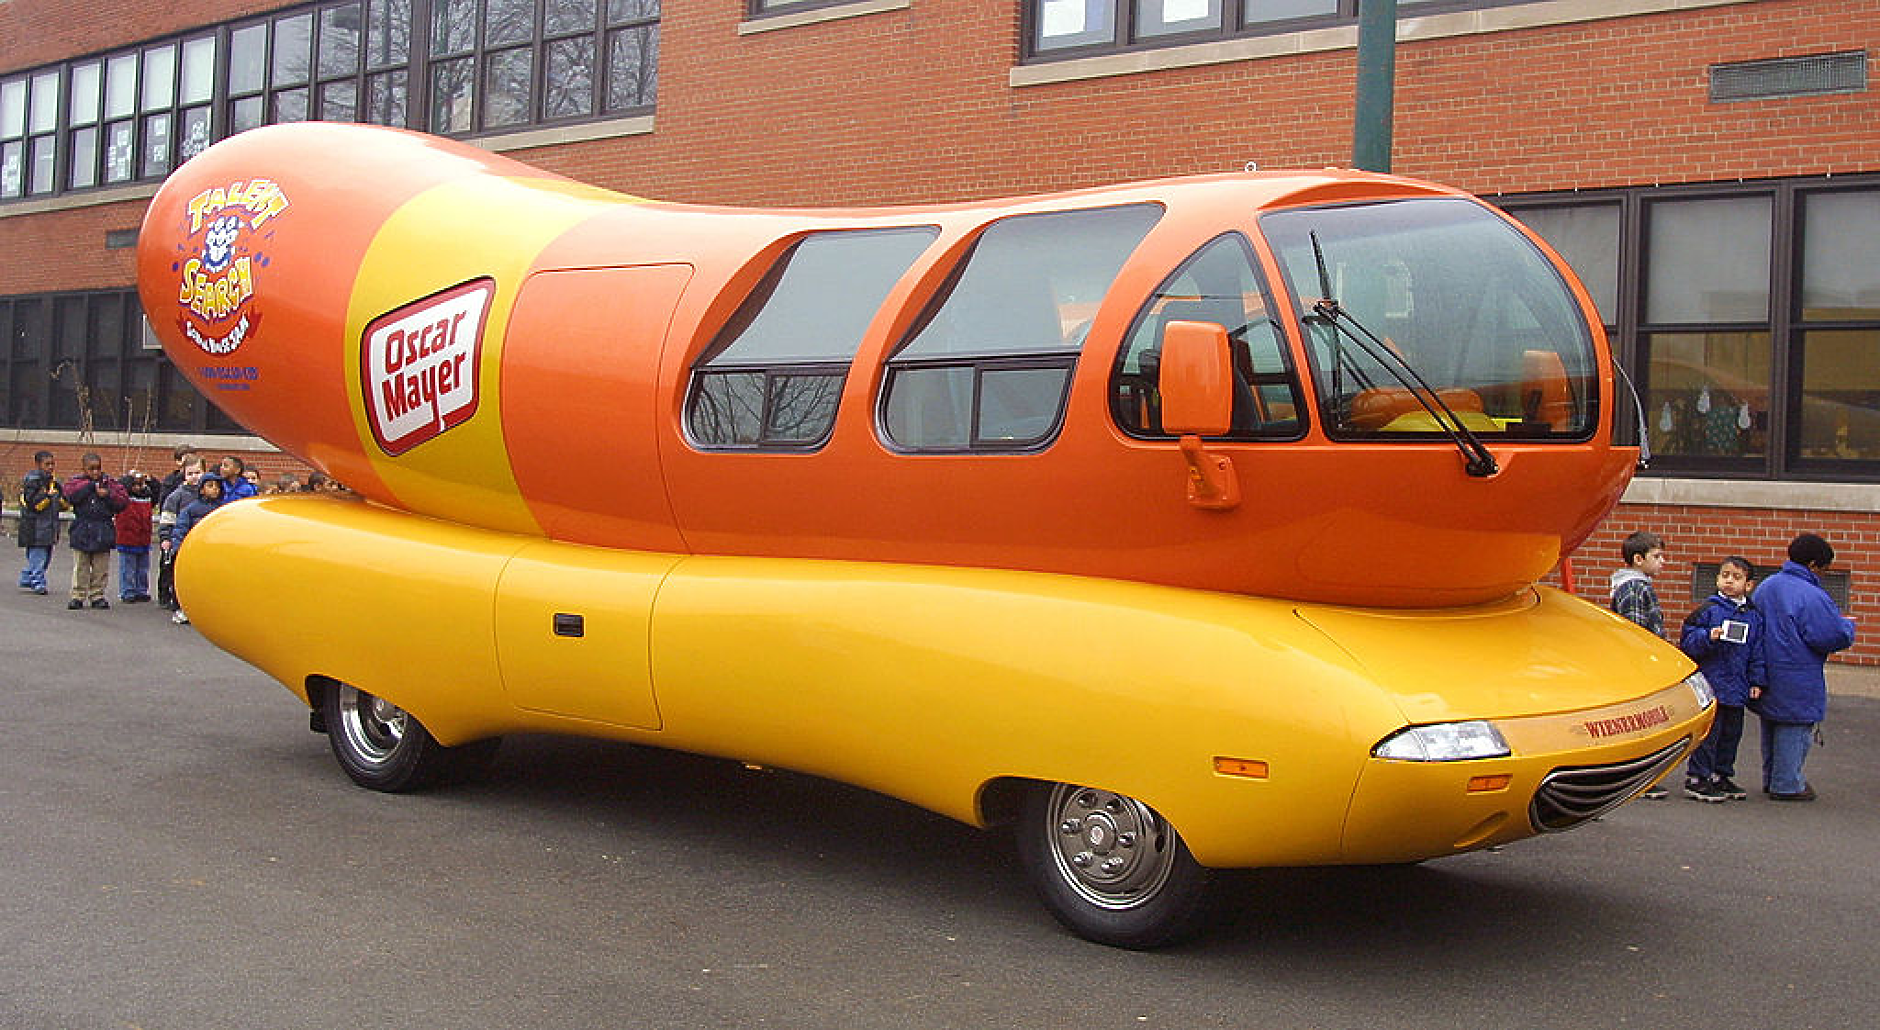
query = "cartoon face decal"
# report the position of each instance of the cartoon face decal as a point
(218, 243)
(218, 259)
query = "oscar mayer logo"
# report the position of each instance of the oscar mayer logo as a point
(1635, 722)
(420, 365)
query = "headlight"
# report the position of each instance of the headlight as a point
(1443, 742)
(1701, 687)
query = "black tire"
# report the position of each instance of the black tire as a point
(384, 747)
(1109, 868)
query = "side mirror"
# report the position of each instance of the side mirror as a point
(1197, 379)
(1197, 387)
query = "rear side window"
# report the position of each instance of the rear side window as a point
(988, 367)
(1222, 284)
(773, 378)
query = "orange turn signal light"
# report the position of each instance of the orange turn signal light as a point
(1484, 784)
(1252, 769)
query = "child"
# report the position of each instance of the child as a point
(41, 501)
(1725, 637)
(95, 499)
(1633, 596)
(133, 539)
(1632, 593)
(208, 499)
(171, 508)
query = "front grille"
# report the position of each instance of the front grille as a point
(1571, 796)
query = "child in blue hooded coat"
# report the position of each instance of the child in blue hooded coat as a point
(1725, 637)
(208, 498)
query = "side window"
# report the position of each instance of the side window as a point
(1222, 284)
(988, 368)
(773, 377)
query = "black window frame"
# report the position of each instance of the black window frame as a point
(757, 10)
(775, 373)
(69, 361)
(1781, 460)
(388, 85)
(1232, 24)
(979, 368)
(981, 363)
(1120, 395)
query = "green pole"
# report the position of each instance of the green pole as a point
(1377, 71)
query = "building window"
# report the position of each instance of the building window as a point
(775, 374)
(1079, 28)
(1587, 237)
(759, 8)
(1749, 362)
(1839, 335)
(492, 66)
(78, 361)
(82, 108)
(988, 366)
(632, 54)
(12, 138)
(1706, 341)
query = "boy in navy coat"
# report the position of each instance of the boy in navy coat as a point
(1725, 637)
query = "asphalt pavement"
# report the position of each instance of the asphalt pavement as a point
(180, 852)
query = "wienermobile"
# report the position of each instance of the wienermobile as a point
(1180, 525)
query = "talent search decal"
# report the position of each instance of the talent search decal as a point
(419, 365)
(227, 228)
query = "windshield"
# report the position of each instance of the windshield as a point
(1453, 292)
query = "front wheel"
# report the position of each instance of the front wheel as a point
(384, 747)
(1109, 867)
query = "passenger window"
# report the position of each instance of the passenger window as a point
(988, 368)
(1220, 284)
(773, 378)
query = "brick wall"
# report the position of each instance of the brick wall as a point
(1705, 534)
(914, 105)
(16, 459)
(793, 117)
(41, 31)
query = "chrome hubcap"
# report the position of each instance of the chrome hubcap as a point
(1111, 849)
(373, 726)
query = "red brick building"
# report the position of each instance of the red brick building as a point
(1711, 167)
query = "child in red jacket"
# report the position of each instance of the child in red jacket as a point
(133, 539)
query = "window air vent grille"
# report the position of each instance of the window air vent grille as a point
(1780, 77)
(1704, 581)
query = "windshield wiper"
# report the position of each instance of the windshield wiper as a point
(1476, 459)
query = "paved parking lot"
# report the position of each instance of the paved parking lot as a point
(183, 853)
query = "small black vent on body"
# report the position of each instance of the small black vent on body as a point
(1779, 77)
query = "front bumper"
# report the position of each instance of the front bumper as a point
(1563, 770)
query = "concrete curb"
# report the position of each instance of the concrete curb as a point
(1854, 680)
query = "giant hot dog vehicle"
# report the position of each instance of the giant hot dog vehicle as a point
(1179, 525)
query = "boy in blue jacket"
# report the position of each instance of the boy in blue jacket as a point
(1802, 626)
(1725, 637)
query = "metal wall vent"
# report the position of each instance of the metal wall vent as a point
(1704, 581)
(1779, 77)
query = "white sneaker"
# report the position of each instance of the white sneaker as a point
(179, 618)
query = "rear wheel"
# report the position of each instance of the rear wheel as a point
(1109, 867)
(384, 747)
